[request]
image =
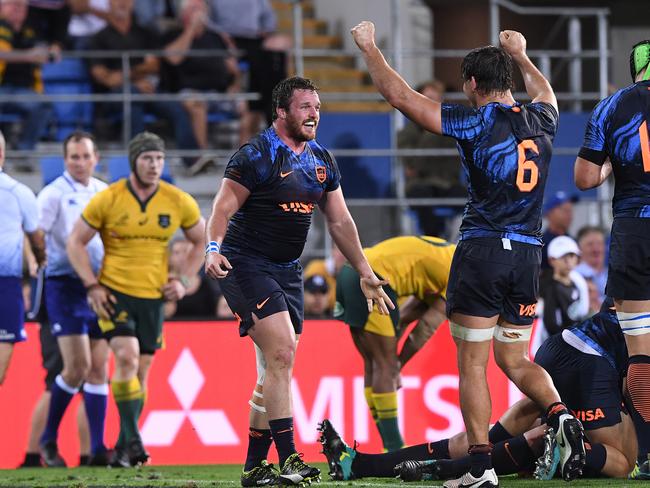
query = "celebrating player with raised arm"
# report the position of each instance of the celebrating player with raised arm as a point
(256, 233)
(505, 148)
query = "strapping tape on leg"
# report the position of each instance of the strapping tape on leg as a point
(634, 323)
(470, 335)
(257, 407)
(509, 334)
(260, 363)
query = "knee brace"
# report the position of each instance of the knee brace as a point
(510, 334)
(638, 372)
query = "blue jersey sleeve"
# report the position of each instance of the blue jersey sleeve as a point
(246, 166)
(547, 116)
(460, 122)
(594, 145)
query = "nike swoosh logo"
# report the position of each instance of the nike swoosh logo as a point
(261, 304)
(429, 448)
(284, 175)
(295, 478)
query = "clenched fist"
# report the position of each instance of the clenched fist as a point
(364, 35)
(513, 42)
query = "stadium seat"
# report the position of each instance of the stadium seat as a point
(51, 168)
(118, 167)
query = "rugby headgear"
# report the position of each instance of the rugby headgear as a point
(143, 142)
(640, 59)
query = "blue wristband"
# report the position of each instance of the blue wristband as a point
(212, 247)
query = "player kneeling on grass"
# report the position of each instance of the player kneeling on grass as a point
(587, 363)
(417, 268)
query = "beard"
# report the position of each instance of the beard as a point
(297, 131)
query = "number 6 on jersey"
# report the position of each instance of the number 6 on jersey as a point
(524, 164)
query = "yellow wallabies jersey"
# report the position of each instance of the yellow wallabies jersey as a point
(417, 266)
(135, 234)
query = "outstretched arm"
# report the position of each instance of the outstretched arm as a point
(420, 109)
(537, 87)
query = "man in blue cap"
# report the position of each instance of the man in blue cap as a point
(558, 212)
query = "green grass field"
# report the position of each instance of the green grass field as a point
(222, 475)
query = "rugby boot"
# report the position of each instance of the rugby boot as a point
(101, 458)
(487, 480)
(50, 455)
(339, 455)
(418, 470)
(120, 458)
(641, 470)
(136, 451)
(296, 472)
(546, 464)
(570, 441)
(263, 475)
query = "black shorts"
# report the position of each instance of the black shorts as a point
(588, 384)
(487, 280)
(50, 355)
(262, 287)
(629, 260)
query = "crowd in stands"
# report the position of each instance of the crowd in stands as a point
(230, 35)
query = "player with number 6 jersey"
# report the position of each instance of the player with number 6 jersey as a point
(492, 290)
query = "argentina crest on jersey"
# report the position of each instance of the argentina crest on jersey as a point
(321, 173)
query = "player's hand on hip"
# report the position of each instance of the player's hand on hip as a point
(513, 42)
(216, 265)
(101, 301)
(173, 290)
(364, 35)
(375, 294)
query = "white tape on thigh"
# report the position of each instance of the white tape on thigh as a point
(257, 407)
(261, 365)
(637, 323)
(509, 334)
(470, 335)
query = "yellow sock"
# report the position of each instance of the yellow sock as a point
(367, 392)
(385, 404)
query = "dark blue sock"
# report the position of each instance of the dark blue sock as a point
(282, 432)
(480, 459)
(498, 433)
(259, 442)
(95, 401)
(60, 397)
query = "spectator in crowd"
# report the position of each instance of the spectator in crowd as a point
(327, 268)
(201, 294)
(187, 74)
(156, 15)
(558, 211)
(593, 265)
(122, 34)
(317, 297)
(565, 292)
(251, 25)
(430, 176)
(594, 297)
(21, 58)
(88, 18)
(50, 19)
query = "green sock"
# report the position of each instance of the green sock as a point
(386, 405)
(367, 392)
(128, 399)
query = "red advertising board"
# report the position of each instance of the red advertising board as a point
(200, 384)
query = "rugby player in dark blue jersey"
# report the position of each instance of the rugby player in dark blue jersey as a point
(587, 363)
(256, 233)
(505, 148)
(617, 139)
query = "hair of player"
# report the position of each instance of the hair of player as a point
(283, 91)
(589, 229)
(78, 136)
(491, 67)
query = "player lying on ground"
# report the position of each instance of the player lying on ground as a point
(587, 364)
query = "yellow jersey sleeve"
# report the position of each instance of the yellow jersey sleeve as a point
(190, 212)
(95, 211)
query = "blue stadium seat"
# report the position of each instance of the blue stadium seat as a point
(69, 69)
(51, 168)
(118, 167)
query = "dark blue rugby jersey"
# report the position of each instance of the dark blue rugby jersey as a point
(506, 151)
(618, 129)
(602, 333)
(285, 188)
